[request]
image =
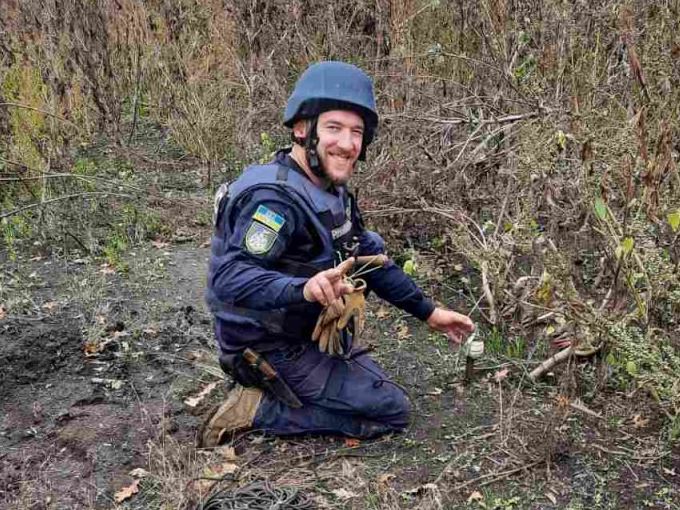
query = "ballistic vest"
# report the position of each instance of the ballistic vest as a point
(336, 223)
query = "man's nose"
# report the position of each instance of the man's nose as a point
(345, 140)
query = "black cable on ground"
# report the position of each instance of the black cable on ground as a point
(258, 495)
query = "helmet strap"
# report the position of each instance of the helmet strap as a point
(311, 143)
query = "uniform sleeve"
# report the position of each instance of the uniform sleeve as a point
(260, 228)
(391, 283)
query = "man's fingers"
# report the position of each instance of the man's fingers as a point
(315, 291)
(454, 337)
(345, 266)
(341, 288)
(328, 292)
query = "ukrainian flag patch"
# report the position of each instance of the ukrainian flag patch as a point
(268, 217)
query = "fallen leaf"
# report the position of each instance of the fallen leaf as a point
(94, 347)
(670, 472)
(352, 442)
(475, 496)
(501, 375)
(421, 489)
(402, 332)
(211, 475)
(49, 306)
(159, 244)
(219, 471)
(139, 473)
(126, 492)
(3, 312)
(343, 494)
(639, 422)
(107, 269)
(551, 497)
(385, 478)
(194, 401)
(228, 452)
(116, 384)
(382, 313)
(560, 342)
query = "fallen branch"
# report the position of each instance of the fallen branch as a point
(552, 361)
(581, 407)
(561, 357)
(494, 477)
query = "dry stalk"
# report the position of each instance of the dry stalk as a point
(487, 293)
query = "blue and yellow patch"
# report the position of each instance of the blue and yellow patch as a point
(268, 217)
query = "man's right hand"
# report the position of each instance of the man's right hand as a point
(327, 286)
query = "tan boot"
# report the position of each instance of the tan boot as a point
(236, 413)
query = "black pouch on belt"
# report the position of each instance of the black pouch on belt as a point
(251, 369)
(240, 370)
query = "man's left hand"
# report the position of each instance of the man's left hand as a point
(455, 325)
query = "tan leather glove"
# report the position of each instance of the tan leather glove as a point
(336, 316)
(355, 307)
(326, 331)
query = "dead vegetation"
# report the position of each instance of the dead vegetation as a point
(526, 168)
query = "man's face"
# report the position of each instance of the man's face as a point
(340, 134)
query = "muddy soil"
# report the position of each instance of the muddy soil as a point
(78, 413)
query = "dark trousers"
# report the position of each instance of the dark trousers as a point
(347, 397)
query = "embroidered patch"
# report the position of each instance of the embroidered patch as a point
(268, 217)
(259, 238)
(341, 230)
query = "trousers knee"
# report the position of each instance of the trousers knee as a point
(398, 412)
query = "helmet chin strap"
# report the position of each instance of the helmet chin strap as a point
(310, 142)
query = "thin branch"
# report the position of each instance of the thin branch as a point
(59, 199)
(468, 120)
(487, 293)
(494, 477)
(89, 179)
(50, 114)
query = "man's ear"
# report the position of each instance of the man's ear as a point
(300, 129)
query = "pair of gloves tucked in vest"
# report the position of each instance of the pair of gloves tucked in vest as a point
(336, 316)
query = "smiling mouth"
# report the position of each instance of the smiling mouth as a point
(341, 157)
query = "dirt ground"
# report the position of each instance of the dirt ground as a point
(97, 368)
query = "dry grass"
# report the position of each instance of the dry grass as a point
(527, 154)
